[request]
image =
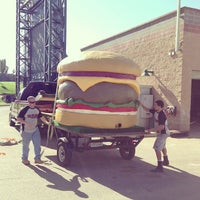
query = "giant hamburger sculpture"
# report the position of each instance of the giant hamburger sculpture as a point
(98, 90)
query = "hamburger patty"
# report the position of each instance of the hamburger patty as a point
(103, 92)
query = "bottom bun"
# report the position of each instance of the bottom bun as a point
(103, 121)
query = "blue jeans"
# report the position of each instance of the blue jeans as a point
(26, 139)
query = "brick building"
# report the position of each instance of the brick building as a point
(176, 77)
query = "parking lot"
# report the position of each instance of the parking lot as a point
(101, 174)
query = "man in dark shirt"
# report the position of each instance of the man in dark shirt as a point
(162, 134)
(28, 117)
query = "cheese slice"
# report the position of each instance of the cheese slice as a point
(86, 82)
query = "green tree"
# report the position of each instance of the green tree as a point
(3, 67)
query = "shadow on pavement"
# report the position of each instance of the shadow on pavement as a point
(193, 133)
(58, 182)
(133, 179)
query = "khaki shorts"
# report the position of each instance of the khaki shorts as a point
(160, 142)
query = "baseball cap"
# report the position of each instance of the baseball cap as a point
(31, 99)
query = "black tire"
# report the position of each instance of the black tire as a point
(127, 153)
(64, 154)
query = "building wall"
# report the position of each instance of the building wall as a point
(151, 46)
(191, 59)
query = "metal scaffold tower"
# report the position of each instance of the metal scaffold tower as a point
(40, 39)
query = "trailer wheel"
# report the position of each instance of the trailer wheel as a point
(127, 153)
(64, 154)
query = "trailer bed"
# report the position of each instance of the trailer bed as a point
(80, 139)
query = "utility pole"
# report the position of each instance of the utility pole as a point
(177, 26)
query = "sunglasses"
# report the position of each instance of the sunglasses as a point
(31, 102)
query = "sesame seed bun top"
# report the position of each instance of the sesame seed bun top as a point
(99, 61)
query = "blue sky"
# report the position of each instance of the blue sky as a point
(89, 21)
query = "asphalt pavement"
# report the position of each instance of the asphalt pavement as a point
(99, 175)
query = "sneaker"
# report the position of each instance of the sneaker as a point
(39, 162)
(26, 162)
(166, 162)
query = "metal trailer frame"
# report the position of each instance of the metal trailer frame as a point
(69, 141)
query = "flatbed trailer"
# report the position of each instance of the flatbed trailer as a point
(80, 139)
